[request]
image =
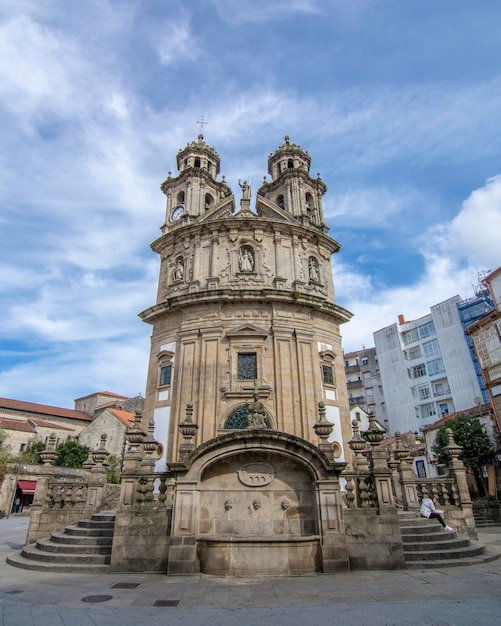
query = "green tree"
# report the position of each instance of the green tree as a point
(31, 454)
(470, 434)
(71, 454)
(113, 473)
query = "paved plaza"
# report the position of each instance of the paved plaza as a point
(435, 597)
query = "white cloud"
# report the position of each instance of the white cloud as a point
(475, 231)
(453, 251)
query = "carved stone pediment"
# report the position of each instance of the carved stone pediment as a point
(248, 330)
(267, 208)
(222, 210)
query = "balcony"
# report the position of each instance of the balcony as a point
(355, 383)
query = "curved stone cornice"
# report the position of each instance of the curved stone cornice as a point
(218, 222)
(259, 441)
(237, 294)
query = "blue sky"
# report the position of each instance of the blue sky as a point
(398, 103)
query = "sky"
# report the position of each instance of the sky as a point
(397, 102)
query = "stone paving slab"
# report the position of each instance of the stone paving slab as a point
(436, 597)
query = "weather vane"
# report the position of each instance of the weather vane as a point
(202, 123)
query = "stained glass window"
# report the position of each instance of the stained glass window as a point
(247, 366)
(238, 419)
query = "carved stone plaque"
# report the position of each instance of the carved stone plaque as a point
(256, 473)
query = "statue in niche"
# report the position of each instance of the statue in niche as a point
(246, 190)
(313, 270)
(256, 415)
(178, 271)
(246, 259)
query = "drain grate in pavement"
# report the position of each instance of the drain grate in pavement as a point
(125, 585)
(166, 603)
(15, 591)
(93, 599)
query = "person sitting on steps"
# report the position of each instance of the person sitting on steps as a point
(428, 510)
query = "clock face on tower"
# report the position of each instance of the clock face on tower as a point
(177, 212)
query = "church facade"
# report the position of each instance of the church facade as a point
(245, 303)
(246, 382)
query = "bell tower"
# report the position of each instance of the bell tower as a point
(292, 188)
(245, 314)
(195, 190)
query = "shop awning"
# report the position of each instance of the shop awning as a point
(27, 486)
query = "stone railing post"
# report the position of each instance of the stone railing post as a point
(382, 478)
(323, 428)
(463, 512)
(406, 475)
(188, 429)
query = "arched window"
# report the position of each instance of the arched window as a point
(197, 161)
(209, 201)
(290, 164)
(309, 202)
(180, 197)
(280, 201)
(238, 419)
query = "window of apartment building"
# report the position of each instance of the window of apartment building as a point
(365, 361)
(417, 371)
(367, 375)
(424, 392)
(426, 330)
(247, 366)
(328, 375)
(444, 408)
(427, 410)
(440, 388)
(369, 392)
(358, 416)
(430, 348)
(435, 367)
(410, 336)
(414, 353)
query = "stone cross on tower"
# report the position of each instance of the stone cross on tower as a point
(202, 123)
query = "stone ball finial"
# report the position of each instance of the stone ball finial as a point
(200, 137)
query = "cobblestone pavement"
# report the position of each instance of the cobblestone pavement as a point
(435, 597)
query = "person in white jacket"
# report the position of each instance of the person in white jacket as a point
(428, 510)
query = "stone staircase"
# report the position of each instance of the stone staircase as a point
(427, 545)
(84, 547)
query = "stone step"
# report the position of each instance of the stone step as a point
(84, 547)
(18, 560)
(444, 554)
(485, 557)
(96, 524)
(421, 529)
(88, 532)
(444, 544)
(47, 545)
(33, 553)
(81, 540)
